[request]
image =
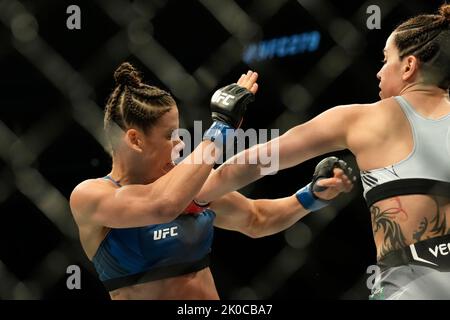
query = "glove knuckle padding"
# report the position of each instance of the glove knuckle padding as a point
(229, 104)
(344, 166)
(324, 169)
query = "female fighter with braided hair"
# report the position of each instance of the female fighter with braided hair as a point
(139, 225)
(402, 147)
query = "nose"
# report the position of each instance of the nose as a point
(379, 75)
(179, 144)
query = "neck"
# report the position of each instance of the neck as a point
(424, 89)
(122, 173)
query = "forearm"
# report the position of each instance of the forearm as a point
(299, 144)
(259, 218)
(331, 176)
(185, 180)
(273, 216)
(237, 172)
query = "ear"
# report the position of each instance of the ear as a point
(134, 140)
(410, 67)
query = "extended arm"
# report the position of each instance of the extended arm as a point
(325, 133)
(258, 218)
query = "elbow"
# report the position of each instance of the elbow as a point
(255, 226)
(252, 233)
(256, 232)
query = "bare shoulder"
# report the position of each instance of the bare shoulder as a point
(85, 195)
(384, 105)
(371, 111)
(372, 125)
(351, 111)
(386, 111)
(359, 108)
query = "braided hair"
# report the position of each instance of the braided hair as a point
(134, 103)
(427, 37)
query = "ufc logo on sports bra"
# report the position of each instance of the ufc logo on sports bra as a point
(220, 96)
(164, 233)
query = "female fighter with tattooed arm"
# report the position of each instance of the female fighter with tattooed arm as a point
(139, 226)
(402, 148)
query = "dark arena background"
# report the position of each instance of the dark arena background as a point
(54, 83)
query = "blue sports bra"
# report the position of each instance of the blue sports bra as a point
(130, 256)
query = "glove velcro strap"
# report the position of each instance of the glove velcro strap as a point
(195, 208)
(218, 130)
(308, 200)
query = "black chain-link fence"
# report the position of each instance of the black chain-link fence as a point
(54, 82)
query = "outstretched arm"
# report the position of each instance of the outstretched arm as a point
(325, 133)
(259, 218)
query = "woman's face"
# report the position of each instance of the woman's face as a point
(159, 146)
(390, 75)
